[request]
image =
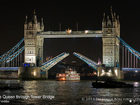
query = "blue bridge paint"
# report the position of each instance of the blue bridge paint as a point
(9, 68)
(130, 69)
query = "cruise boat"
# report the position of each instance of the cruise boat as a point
(69, 74)
(61, 76)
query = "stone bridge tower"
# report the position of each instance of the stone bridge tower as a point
(111, 29)
(31, 28)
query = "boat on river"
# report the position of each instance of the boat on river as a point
(69, 74)
(107, 82)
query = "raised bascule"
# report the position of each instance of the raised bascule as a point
(34, 35)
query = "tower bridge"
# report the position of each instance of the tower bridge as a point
(34, 36)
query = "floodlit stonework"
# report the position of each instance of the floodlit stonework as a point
(111, 29)
(32, 42)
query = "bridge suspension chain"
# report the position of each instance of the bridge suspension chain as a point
(12, 57)
(8, 53)
(133, 51)
(130, 57)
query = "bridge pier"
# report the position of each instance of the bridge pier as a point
(114, 72)
(28, 73)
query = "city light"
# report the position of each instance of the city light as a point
(34, 73)
(68, 31)
(102, 73)
(136, 71)
(136, 84)
(86, 31)
(109, 71)
(116, 72)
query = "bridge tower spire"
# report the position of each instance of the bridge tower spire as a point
(104, 21)
(34, 17)
(42, 25)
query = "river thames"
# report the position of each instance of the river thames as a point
(51, 92)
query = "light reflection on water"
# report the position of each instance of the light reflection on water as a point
(73, 93)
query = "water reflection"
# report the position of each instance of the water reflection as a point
(136, 84)
(72, 93)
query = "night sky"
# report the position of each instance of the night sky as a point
(86, 13)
